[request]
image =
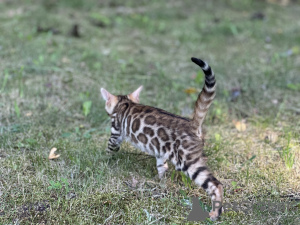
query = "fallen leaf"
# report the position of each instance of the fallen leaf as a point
(52, 155)
(270, 137)
(240, 125)
(191, 90)
(279, 2)
(106, 203)
(28, 114)
(134, 182)
(14, 12)
(65, 60)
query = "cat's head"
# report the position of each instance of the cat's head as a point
(111, 101)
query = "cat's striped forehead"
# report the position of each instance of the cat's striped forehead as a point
(122, 98)
(123, 102)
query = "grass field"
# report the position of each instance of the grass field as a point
(49, 97)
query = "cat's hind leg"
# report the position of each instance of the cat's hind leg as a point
(162, 167)
(198, 172)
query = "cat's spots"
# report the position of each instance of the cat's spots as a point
(142, 138)
(134, 139)
(168, 146)
(183, 137)
(136, 110)
(172, 115)
(128, 125)
(176, 145)
(148, 111)
(192, 155)
(123, 107)
(180, 153)
(151, 120)
(151, 148)
(163, 134)
(171, 156)
(155, 142)
(188, 164)
(136, 125)
(173, 136)
(148, 131)
(179, 157)
(186, 144)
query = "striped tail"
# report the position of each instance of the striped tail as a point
(205, 97)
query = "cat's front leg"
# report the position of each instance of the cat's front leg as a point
(162, 167)
(114, 143)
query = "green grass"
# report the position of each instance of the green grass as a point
(49, 97)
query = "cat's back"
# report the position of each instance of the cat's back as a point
(161, 121)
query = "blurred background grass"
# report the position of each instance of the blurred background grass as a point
(55, 56)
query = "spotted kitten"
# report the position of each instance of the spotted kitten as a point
(165, 135)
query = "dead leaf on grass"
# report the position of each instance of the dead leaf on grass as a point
(191, 90)
(28, 114)
(279, 2)
(270, 137)
(240, 125)
(65, 60)
(52, 154)
(14, 12)
(107, 203)
(134, 182)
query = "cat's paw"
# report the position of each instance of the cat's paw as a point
(213, 215)
(108, 151)
(111, 152)
(161, 176)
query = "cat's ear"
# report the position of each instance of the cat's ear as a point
(108, 97)
(135, 96)
(105, 94)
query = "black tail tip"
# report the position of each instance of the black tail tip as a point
(197, 61)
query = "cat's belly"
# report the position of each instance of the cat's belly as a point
(141, 146)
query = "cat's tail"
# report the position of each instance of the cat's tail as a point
(205, 97)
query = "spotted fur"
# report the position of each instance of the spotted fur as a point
(166, 136)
